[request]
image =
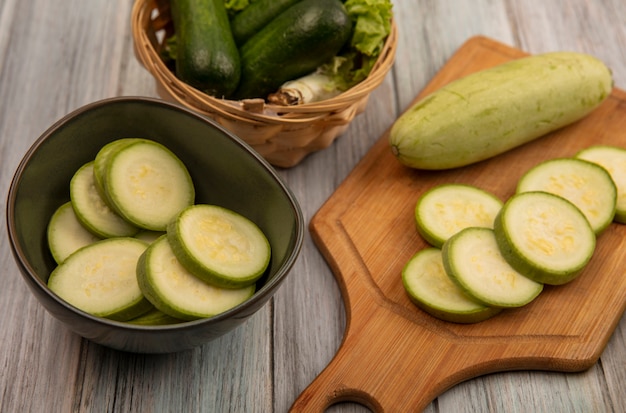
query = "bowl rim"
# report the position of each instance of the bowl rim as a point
(27, 270)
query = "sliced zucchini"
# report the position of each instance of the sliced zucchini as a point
(585, 184)
(147, 184)
(446, 209)
(544, 236)
(155, 317)
(66, 234)
(430, 288)
(101, 279)
(149, 236)
(613, 159)
(92, 210)
(178, 293)
(100, 163)
(219, 246)
(472, 260)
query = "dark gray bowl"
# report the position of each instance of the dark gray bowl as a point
(225, 172)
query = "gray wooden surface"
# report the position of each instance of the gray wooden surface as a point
(56, 56)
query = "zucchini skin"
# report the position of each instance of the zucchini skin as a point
(256, 16)
(207, 57)
(293, 44)
(492, 111)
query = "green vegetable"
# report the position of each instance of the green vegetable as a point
(544, 236)
(66, 234)
(256, 16)
(429, 287)
(100, 279)
(473, 261)
(447, 209)
(492, 111)
(585, 184)
(295, 43)
(219, 246)
(175, 291)
(372, 25)
(206, 55)
(92, 210)
(147, 184)
(613, 159)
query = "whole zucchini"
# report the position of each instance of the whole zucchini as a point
(206, 55)
(492, 111)
(256, 16)
(293, 44)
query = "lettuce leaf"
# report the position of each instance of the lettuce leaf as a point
(372, 25)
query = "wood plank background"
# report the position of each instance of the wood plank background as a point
(56, 56)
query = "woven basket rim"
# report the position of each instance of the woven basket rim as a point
(262, 112)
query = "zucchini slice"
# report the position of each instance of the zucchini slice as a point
(175, 291)
(147, 184)
(613, 159)
(66, 234)
(92, 210)
(585, 184)
(430, 289)
(101, 279)
(544, 236)
(219, 246)
(446, 209)
(100, 163)
(472, 260)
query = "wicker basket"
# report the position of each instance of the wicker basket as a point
(283, 135)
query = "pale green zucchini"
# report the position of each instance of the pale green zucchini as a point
(494, 110)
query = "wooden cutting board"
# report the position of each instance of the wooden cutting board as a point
(396, 358)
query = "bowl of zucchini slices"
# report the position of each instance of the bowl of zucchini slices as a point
(145, 227)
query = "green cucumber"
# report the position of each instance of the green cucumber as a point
(293, 44)
(66, 234)
(256, 16)
(473, 261)
(219, 246)
(92, 210)
(173, 290)
(207, 57)
(147, 184)
(429, 288)
(613, 159)
(544, 236)
(494, 110)
(448, 208)
(101, 279)
(585, 184)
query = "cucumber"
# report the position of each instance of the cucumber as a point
(494, 110)
(178, 293)
(66, 234)
(147, 184)
(587, 185)
(472, 260)
(293, 44)
(448, 208)
(430, 289)
(101, 279)
(613, 159)
(544, 236)
(219, 246)
(256, 16)
(92, 210)
(207, 57)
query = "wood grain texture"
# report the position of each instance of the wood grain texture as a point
(58, 55)
(366, 232)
